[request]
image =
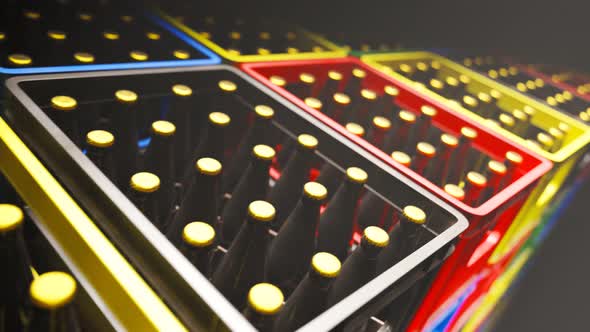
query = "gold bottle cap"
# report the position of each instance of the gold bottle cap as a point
(87, 17)
(567, 95)
(495, 94)
(545, 140)
(264, 35)
(317, 49)
(437, 84)
(198, 234)
(138, 55)
(52, 290)
(407, 116)
(455, 191)
(381, 122)
(469, 133)
(263, 51)
(514, 157)
(497, 167)
(63, 103)
(181, 54)
(391, 90)
(32, 15)
(145, 182)
(376, 236)
(564, 127)
(278, 80)
(84, 57)
(450, 80)
(486, 98)
(127, 18)
(368, 94)
(233, 51)
(307, 141)
(163, 128)
(263, 152)
(477, 179)
(428, 110)
(401, 157)
(559, 98)
(11, 217)
(341, 98)
(512, 70)
(422, 66)
(359, 73)
(182, 90)
(313, 103)
(530, 85)
(584, 116)
(506, 120)
(264, 111)
(355, 129)
(315, 190)
(528, 110)
(234, 35)
(357, 175)
(208, 166)
(291, 35)
(414, 214)
(520, 115)
(219, 119)
(470, 101)
(435, 64)
(539, 83)
(405, 68)
(307, 78)
(56, 34)
(449, 140)
(265, 299)
(126, 96)
(20, 59)
(556, 133)
(468, 62)
(227, 86)
(100, 138)
(326, 264)
(551, 101)
(2, 35)
(503, 72)
(426, 149)
(464, 79)
(335, 75)
(110, 35)
(261, 211)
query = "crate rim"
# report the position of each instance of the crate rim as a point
(557, 157)
(210, 57)
(232, 318)
(491, 204)
(334, 50)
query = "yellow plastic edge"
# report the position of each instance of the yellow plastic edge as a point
(128, 296)
(544, 112)
(334, 50)
(496, 291)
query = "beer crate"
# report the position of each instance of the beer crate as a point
(189, 294)
(489, 219)
(565, 157)
(60, 235)
(58, 36)
(247, 39)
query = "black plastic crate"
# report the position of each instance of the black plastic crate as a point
(185, 290)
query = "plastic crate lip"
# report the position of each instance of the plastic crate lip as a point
(211, 57)
(181, 265)
(560, 156)
(533, 72)
(490, 205)
(333, 49)
(130, 282)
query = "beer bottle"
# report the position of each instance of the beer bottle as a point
(264, 304)
(143, 192)
(52, 294)
(99, 149)
(424, 154)
(379, 130)
(475, 184)
(187, 124)
(361, 266)
(400, 132)
(331, 85)
(337, 220)
(200, 201)
(126, 131)
(309, 298)
(373, 211)
(292, 249)
(198, 241)
(252, 186)
(354, 83)
(243, 264)
(439, 169)
(65, 116)
(159, 159)
(294, 175)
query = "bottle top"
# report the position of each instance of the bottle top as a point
(198, 234)
(428, 110)
(437, 84)
(514, 157)
(470, 101)
(261, 211)
(414, 214)
(182, 90)
(53, 290)
(151, 35)
(307, 141)
(426, 149)
(401, 157)
(263, 152)
(391, 90)
(326, 264)
(315, 191)
(450, 80)
(381, 122)
(468, 132)
(357, 175)
(208, 166)
(266, 299)
(181, 54)
(449, 140)
(486, 98)
(355, 129)
(219, 119)
(56, 34)
(307, 78)
(335, 75)
(138, 55)
(20, 59)
(506, 120)
(376, 236)
(556, 133)
(313, 103)
(497, 167)
(341, 98)
(477, 179)
(455, 191)
(520, 115)
(84, 57)
(163, 128)
(359, 73)
(264, 111)
(100, 138)
(11, 217)
(407, 116)
(278, 80)
(63, 103)
(126, 96)
(227, 86)
(145, 182)
(368, 94)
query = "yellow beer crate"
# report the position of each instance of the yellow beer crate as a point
(542, 117)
